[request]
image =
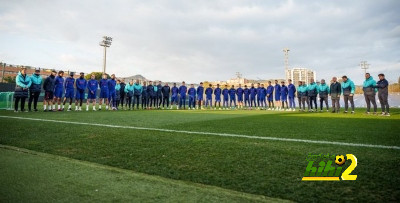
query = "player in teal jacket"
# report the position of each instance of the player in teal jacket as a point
(323, 90)
(312, 90)
(369, 92)
(348, 89)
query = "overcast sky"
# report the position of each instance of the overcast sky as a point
(204, 40)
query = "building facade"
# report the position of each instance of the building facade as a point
(300, 74)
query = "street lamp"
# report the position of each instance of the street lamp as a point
(105, 43)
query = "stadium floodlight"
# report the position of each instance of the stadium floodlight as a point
(105, 43)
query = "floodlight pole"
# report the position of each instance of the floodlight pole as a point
(105, 43)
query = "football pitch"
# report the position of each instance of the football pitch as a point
(194, 155)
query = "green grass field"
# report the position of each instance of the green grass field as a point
(177, 162)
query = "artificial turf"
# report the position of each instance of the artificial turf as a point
(261, 167)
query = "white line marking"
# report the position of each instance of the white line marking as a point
(215, 134)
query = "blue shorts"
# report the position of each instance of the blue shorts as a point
(92, 96)
(69, 93)
(277, 97)
(174, 98)
(284, 98)
(200, 98)
(104, 94)
(262, 98)
(246, 98)
(270, 98)
(217, 99)
(58, 93)
(240, 98)
(80, 94)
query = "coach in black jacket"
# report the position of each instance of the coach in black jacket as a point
(166, 90)
(334, 92)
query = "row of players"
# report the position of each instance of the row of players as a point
(113, 92)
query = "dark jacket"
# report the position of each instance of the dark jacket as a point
(165, 91)
(159, 87)
(122, 90)
(335, 89)
(382, 86)
(49, 84)
(150, 91)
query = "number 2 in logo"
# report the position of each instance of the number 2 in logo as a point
(346, 174)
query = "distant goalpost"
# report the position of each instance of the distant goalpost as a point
(6, 100)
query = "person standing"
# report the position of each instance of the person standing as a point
(48, 86)
(137, 91)
(81, 85)
(335, 91)
(270, 96)
(117, 93)
(225, 94)
(209, 92)
(200, 93)
(34, 90)
(144, 95)
(299, 94)
(58, 90)
(312, 90)
(369, 92)
(122, 92)
(246, 92)
(104, 93)
(304, 96)
(232, 97)
(217, 93)
(239, 93)
(129, 89)
(182, 92)
(277, 90)
(323, 90)
(291, 94)
(192, 97)
(23, 82)
(92, 90)
(253, 93)
(258, 96)
(284, 95)
(69, 90)
(383, 94)
(166, 90)
(348, 89)
(150, 94)
(111, 89)
(159, 94)
(174, 96)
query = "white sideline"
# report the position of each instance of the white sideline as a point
(215, 134)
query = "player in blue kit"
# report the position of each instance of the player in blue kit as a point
(104, 91)
(111, 90)
(192, 97)
(270, 96)
(81, 85)
(253, 93)
(239, 93)
(292, 95)
(225, 94)
(209, 92)
(58, 90)
(262, 95)
(246, 92)
(92, 90)
(159, 95)
(182, 92)
(174, 96)
(217, 93)
(200, 93)
(284, 94)
(69, 90)
(258, 96)
(277, 90)
(150, 95)
(232, 97)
